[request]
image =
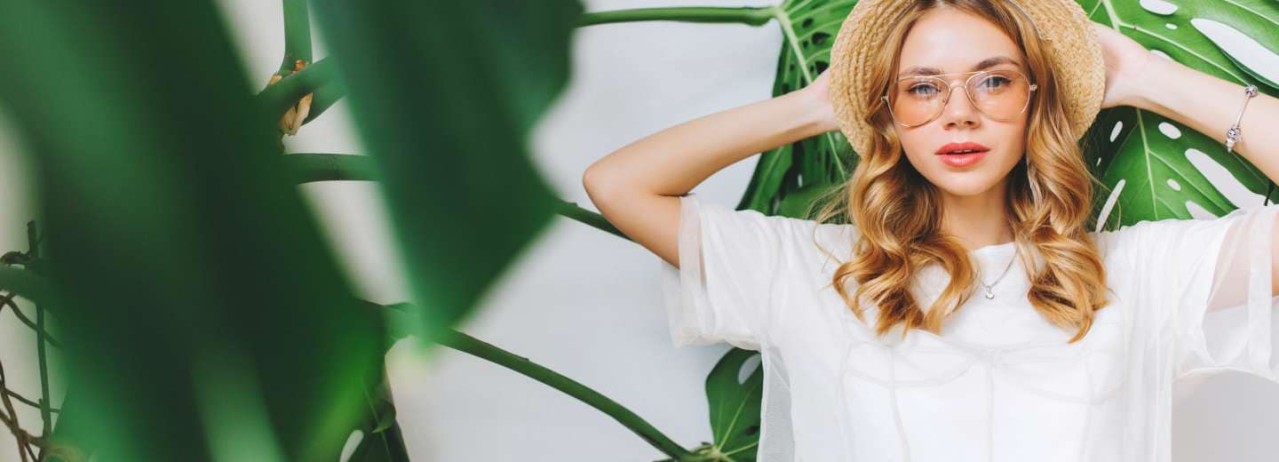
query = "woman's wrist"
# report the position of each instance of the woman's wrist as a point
(1210, 105)
(1148, 92)
(819, 114)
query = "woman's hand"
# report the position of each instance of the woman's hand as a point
(818, 94)
(1126, 64)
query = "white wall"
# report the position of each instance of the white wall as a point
(579, 301)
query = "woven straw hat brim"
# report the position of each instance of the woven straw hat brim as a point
(1073, 50)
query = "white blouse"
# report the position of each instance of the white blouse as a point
(1000, 383)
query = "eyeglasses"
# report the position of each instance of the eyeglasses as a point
(1000, 94)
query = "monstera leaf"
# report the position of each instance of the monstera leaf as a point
(734, 407)
(808, 31)
(1144, 158)
(805, 201)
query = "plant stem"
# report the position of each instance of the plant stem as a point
(402, 314)
(572, 211)
(297, 35)
(308, 168)
(753, 16)
(7, 301)
(324, 97)
(11, 420)
(46, 414)
(279, 97)
(24, 284)
(467, 344)
(25, 400)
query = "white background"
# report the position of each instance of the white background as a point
(582, 302)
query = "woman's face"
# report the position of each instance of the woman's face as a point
(952, 41)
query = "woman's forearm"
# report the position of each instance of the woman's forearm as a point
(673, 161)
(1209, 105)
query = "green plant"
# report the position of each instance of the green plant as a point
(205, 319)
(1149, 167)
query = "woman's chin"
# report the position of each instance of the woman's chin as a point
(963, 184)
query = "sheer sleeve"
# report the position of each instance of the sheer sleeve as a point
(1217, 290)
(729, 260)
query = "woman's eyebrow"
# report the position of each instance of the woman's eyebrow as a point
(985, 63)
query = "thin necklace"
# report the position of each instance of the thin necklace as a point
(990, 294)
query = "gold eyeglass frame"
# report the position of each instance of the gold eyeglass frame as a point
(950, 92)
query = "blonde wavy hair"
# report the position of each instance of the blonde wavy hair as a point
(898, 212)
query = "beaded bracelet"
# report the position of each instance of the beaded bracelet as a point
(1233, 134)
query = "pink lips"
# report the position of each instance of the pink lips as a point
(962, 160)
(965, 146)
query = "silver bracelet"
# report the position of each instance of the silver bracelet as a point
(1233, 134)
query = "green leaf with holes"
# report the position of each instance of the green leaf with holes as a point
(808, 31)
(1145, 158)
(734, 406)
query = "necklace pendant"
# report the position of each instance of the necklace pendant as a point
(990, 295)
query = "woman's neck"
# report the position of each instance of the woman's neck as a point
(978, 220)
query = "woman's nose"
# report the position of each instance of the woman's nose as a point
(959, 109)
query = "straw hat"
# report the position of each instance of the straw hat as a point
(1073, 49)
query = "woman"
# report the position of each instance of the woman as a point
(967, 312)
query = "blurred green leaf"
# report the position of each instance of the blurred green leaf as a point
(193, 285)
(382, 446)
(444, 96)
(382, 440)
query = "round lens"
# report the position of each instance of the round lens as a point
(1001, 95)
(915, 100)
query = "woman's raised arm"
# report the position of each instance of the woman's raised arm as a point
(638, 187)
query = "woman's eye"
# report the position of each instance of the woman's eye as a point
(924, 90)
(995, 81)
